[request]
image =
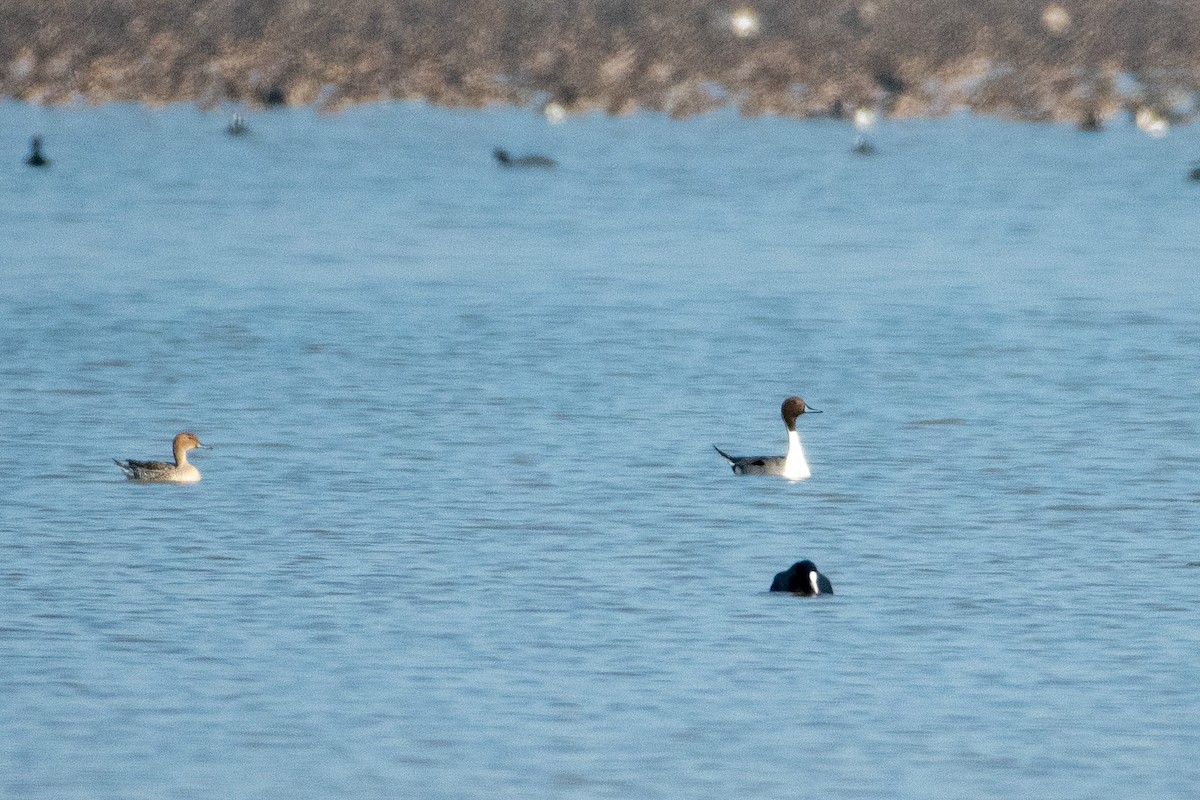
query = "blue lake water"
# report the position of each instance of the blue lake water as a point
(462, 533)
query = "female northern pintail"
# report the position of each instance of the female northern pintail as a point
(803, 579)
(161, 471)
(507, 160)
(792, 466)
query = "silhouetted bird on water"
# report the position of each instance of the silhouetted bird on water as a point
(237, 126)
(507, 160)
(803, 579)
(1090, 122)
(1194, 172)
(36, 159)
(863, 147)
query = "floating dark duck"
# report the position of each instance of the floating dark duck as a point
(802, 578)
(508, 160)
(36, 158)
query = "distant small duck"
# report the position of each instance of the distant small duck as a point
(36, 157)
(863, 147)
(161, 471)
(803, 579)
(1194, 172)
(1090, 122)
(508, 160)
(792, 466)
(237, 126)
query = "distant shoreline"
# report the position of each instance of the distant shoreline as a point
(925, 58)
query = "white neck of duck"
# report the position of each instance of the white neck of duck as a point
(795, 466)
(183, 472)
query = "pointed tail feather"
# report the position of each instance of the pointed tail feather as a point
(724, 455)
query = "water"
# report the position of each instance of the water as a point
(462, 533)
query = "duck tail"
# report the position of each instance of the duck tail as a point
(724, 455)
(124, 465)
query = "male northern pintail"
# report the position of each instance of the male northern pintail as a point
(161, 471)
(792, 466)
(507, 160)
(803, 579)
(36, 158)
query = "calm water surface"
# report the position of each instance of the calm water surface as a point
(462, 533)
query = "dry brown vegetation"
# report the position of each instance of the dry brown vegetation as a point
(909, 57)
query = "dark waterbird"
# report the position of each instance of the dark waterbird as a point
(802, 578)
(36, 158)
(508, 160)
(1090, 122)
(863, 147)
